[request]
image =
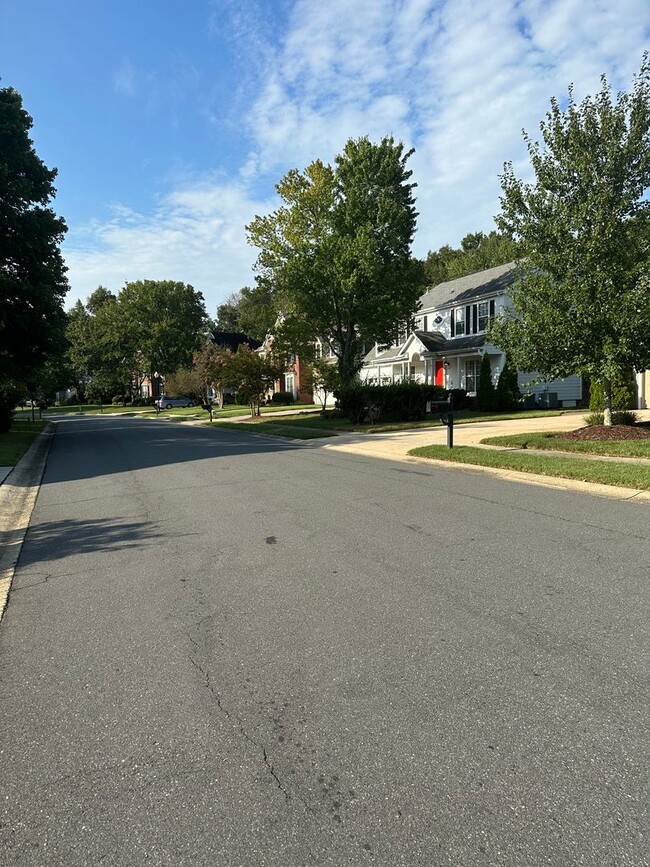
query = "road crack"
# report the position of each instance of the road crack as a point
(240, 725)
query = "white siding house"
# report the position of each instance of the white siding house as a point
(449, 341)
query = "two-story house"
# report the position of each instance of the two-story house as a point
(449, 341)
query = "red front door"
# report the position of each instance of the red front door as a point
(440, 374)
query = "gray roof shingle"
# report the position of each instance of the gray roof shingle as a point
(466, 289)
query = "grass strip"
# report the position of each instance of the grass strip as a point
(15, 442)
(274, 430)
(623, 475)
(316, 420)
(554, 442)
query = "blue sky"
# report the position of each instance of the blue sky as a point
(170, 122)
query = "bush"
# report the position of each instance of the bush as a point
(460, 400)
(508, 396)
(620, 417)
(9, 397)
(118, 399)
(73, 400)
(486, 397)
(283, 398)
(399, 401)
(623, 393)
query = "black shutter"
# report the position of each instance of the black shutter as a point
(474, 318)
(453, 323)
(424, 323)
(468, 314)
(492, 308)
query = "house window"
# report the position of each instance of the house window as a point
(483, 315)
(318, 350)
(472, 370)
(459, 316)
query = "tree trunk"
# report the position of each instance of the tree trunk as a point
(607, 397)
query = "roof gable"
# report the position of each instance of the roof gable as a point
(470, 288)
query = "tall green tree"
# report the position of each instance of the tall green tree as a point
(582, 300)
(477, 252)
(337, 251)
(165, 323)
(32, 273)
(251, 311)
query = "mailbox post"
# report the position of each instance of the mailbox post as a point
(448, 421)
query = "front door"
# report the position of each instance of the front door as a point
(440, 374)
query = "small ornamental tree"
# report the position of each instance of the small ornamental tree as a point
(323, 378)
(582, 298)
(508, 394)
(252, 374)
(212, 364)
(485, 393)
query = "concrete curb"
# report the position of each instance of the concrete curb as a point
(18, 496)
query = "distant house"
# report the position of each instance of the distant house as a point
(449, 341)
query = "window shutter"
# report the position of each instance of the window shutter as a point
(492, 308)
(474, 318)
(453, 323)
(468, 314)
(424, 323)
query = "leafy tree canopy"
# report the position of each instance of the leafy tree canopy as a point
(337, 251)
(251, 311)
(582, 301)
(477, 252)
(164, 320)
(32, 273)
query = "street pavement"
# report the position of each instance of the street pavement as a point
(223, 649)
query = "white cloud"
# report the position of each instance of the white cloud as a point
(194, 235)
(457, 79)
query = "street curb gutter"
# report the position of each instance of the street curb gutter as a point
(18, 496)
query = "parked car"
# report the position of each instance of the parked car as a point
(168, 401)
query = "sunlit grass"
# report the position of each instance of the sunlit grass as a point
(627, 475)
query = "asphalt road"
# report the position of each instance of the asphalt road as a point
(225, 650)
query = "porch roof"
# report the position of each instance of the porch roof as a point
(436, 344)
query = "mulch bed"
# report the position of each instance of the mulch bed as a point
(601, 432)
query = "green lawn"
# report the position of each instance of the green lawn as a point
(17, 440)
(626, 475)
(274, 428)
(555, 442)
(329, 422)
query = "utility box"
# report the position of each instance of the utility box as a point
(549, 400)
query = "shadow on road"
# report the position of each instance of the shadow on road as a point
(52, 540)
(86, 448)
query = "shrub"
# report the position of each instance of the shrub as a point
(460, 399)
(507, 394)
(486, 397)
(619, 417)
(118, 399)
(283, 398)
(8, 399)
(623, 393)
(399, 401)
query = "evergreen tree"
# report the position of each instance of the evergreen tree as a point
(508, 394)
(485, 393)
